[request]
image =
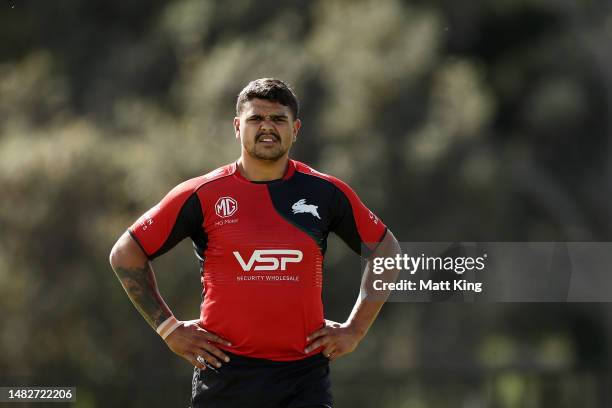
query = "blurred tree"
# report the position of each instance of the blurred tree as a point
(453, 120)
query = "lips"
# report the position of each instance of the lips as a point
(268, 138)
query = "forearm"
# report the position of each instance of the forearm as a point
(363, 315)
(135, 273)
(370, 301)
(141, 287)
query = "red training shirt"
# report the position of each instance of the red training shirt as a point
(261, 247)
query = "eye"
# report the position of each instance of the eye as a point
(280, 120)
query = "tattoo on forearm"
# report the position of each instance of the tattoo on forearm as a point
(140, 286)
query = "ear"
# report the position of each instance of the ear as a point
(296, 128)
(237, 127)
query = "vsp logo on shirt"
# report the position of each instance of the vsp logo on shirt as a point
(300, 207)
(269, 259)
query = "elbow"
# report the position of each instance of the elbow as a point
(118, 252)
(113, 257)
(126, 252)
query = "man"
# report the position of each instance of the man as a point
(259, 228)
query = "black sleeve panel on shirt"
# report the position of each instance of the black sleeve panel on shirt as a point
(343, 222)
(350, 219)
(188, 224)
(315, 191)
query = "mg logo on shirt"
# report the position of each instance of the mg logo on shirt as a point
(226, 207)
(269, 259)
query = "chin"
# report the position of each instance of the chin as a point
(268, 156)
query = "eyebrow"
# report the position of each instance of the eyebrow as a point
(258, 116)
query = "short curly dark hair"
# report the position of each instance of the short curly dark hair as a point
(271, 89)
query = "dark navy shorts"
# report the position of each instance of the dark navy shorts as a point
(253, 383)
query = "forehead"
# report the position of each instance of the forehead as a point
(258, 106)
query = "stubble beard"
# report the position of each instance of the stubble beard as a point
(266, 153)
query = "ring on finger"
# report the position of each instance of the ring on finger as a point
(201, 360)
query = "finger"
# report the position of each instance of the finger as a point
(203, 343)
(214, 338)
(316, 334)
(210, 358)
(194, 362)
(328, 352)
(315, 345)
(332, 353)
(215, 351)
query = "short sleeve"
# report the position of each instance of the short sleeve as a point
(353, 222)
(177, 216)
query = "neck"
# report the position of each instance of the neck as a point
(262, 170)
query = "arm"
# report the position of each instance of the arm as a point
(135, 272)
(339, 339)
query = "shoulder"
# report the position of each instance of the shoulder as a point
(334, 181)
(191, 186)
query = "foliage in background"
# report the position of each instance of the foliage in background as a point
(453, 120)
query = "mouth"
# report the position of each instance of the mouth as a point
(268, 139)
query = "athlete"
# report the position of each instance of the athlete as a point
(259, 227)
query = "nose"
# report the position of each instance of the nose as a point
(267, 123)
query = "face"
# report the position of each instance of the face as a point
(266, 129)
